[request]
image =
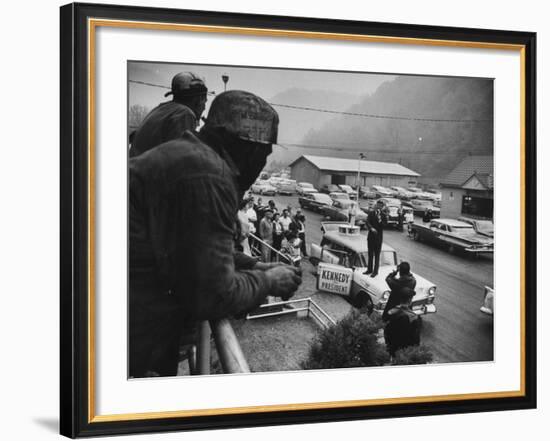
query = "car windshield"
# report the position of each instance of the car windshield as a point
(346, 187)
(466, 229)
(306, 185)
(323, 198)
(386, 258)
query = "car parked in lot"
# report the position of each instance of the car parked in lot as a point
(314, 201)
(488, 306)
(401, 193)
(350, 191)
(394, 211)
(420, 206)
(341, 209)
(453, 235)
(263, 188)
(329, 188)
(366, 193)
(286, 186)
(482, 226)
(418, 193)
(381, 192)
(341, 260)
(305, 187)
(339, 195)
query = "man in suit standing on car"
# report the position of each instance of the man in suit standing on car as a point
(375, 225)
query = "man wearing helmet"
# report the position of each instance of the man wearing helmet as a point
(183, 202)
(171, 119)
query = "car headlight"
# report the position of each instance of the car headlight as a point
(431, 291)
(385, 296)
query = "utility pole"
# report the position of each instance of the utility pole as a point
(361, 156)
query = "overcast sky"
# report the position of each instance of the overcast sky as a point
(265, 82)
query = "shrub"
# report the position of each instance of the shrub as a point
(353, 342)
(413, 355)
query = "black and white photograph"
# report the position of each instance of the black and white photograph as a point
(291, 220)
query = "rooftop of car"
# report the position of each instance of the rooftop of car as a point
(356, 243)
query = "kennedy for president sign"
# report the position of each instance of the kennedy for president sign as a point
(334, 278)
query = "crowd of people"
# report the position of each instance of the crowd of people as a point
(280, 231)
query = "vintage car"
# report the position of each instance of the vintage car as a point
(418, 193)
(381, 192)
(339, 195)
(341, 260)
(401, 193)
(488, 306)
(264, 188)
(394, 211)
(482, 226)
(314, 201)
(420, 206)
(286, 186)
(329, 188)
(435, 194)
(349, 191)
(366, 193)
(305, 187)
(255, 188)
(341, 209)
(453, 235)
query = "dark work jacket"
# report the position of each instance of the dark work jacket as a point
(182, 206)
(396, 285)
(403, 329)
(164, 123)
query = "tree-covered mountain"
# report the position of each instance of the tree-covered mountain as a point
(430, 148)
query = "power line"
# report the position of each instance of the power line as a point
(368, 115)
(337, 112)
(367, 150)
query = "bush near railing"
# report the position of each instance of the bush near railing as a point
(356, 341)
(352, 342)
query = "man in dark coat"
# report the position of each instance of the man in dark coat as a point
(403, 326)
(397, 284)
(183, 203)
(375, 225)
(171, 119)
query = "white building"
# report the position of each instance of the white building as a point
(321, 170)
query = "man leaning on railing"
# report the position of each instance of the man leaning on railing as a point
(183, 202)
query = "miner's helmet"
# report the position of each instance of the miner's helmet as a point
(245, 115)
(187, 84)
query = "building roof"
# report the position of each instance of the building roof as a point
(350, 166)
(481, 166)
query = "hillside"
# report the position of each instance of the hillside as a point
(431, 148)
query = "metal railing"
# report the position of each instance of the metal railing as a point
(229, 350)
(256, 245)
(311, 309)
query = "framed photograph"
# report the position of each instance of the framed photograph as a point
(274, 220)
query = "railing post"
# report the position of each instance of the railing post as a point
(203, 349)
(227, 345)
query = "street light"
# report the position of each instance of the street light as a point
(225, 79)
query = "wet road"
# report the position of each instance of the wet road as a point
(458, 332)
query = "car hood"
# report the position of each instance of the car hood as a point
(377, 285)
